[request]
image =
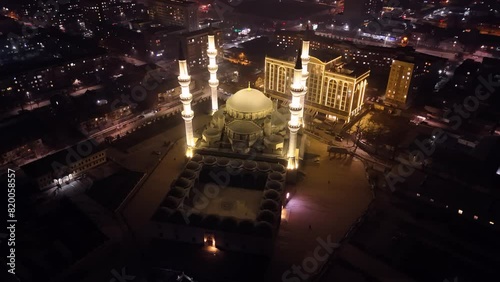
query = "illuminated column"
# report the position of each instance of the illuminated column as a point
(186, 98)
(297, 88)
(212, 68)
(305, 74)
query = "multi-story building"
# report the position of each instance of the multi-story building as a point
(51, 75)
(66, 165)
(377, 59)
(356, 11)
(400, 83)
(195, 47)
(97, 12)
(175, 12)
(408, 74)
(334, 89)
(148, 40)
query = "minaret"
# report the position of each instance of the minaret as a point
(186, 98)
(213, 82)
(297, 88)
(305, 61)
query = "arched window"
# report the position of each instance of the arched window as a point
(330, 93)
(271, 76)
(281, 80)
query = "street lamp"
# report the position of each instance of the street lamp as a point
(418, 40)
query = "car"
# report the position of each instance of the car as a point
(157, 153)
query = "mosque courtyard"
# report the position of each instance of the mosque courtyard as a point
(327, 200)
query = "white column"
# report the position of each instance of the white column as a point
(186, 98)
(213, 82)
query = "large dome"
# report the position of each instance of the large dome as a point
(249, 103)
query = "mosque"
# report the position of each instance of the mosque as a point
(249, 121)
(232, 192)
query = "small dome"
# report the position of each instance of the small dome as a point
(171, 202)
(275, 176)
(279, 168)
(183, 183)
(264, 229)
(267, 216)
(249, 100)
(271, 205)
(177, 192)
(188, 174)
(197, 158)
(222, 161)
(275, 185)
(193, 166)
(209, 160)
(249, 165)
(263, 166)
(212, 132)
(244, 127)
(235, 163)
(272, 195)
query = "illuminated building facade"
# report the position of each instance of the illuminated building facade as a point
(66, 165)
(408, 74)
(332, 89)
(399, 84)
(175, 12)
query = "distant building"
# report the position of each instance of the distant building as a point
(66, 165)
(195, 47)
(49, 75)
(377, 59)
(356, 11)
(27, 149)
(334, 89)
(96, 11)
(175, 12)
(408, 73)
(399, 85)
(146, 39)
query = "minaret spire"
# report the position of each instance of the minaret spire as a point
(297, 88)
(187, 114)
(213, 82)
(305, 74)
